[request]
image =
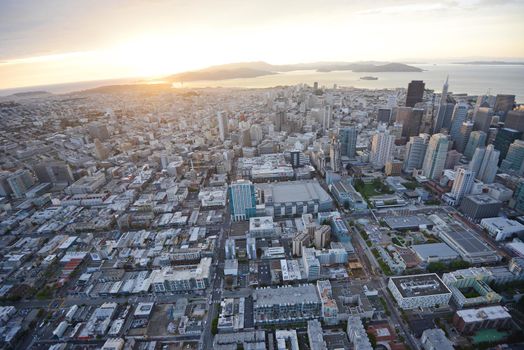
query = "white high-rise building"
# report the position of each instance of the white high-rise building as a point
(415, 152)
(476, 160)
(230, 248)
(460, 113)
(251, 248)
(381, 147)
(488, 168)
(326, 118)
(462, 185)
(334, 154)
(256, 133)
(435, 158)
(223, 128)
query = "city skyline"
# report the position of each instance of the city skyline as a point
(57, 41)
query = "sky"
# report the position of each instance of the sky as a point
(57, 41)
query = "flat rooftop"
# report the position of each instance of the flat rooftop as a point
(482, 314)
(400, 222)
(295, 191)
(482, 199)
(469, 242)
(420, 285)
(426, 251)
(304, 293)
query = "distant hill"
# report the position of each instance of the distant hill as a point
(256, 69)
(494, 63)
(30, 94)
(219, 74)
(125, 88)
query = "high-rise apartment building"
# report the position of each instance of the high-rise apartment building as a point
(334, 154)
(381, 147)
(223, 127)
(464, 180)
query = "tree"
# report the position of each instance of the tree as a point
(214, 326)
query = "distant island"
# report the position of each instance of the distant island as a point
(495, 63)
(368, 78)
(257, 69)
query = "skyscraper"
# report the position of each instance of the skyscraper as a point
(245, 137)
(410, 118)
(384, 115)
(503, 104)
(415, 93)
(476, 139)
(488, 168)
(256, 133)
(381, 147)
(415, 152)
(223, 128)
(515, 120)
(19, 182)
(326, 118)
(242, 200)
(519, 197)
(280, 120)
(482, 119)
(460, 113)
(54, 172)
(230, 249)
(435, 157)
(98, 131)
(101, 152)
(476, 160)
(251, 248)
(334, 154)
(464, 180)
(514, 161)
(505, 137)
(452, 159)
(463, 136)
(444, 112)
(348, 141)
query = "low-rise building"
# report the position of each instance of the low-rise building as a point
(357, 334)
(491, 317)
(435, 339)
(286, 304)
(432, 252)
(425, 290)
(502, 228)
(480, 206)
(465, 282)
